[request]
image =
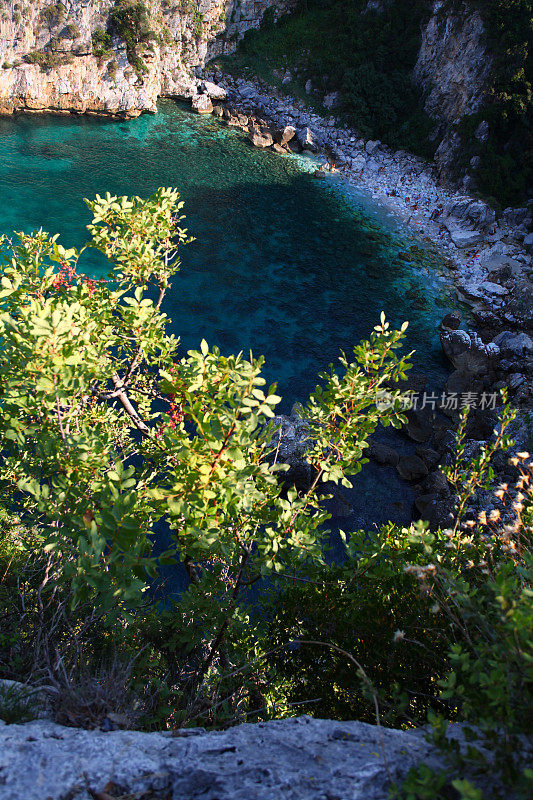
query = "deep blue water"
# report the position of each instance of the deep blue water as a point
(289, 266)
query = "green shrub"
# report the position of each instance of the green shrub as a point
(53, 15)
(15, 705)
(47, 59)
(112, 68)
(441, 623)
(70, 31)
(102, 45)
(107, 431)
(90, 491)
(132, 23)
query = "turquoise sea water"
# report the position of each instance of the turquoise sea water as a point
(290, 266)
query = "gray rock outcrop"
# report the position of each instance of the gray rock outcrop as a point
(307, 140)
(452, 69)
(468, 353)
(288, 759)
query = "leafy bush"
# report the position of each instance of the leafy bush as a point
(71, 31)
(47, 59)
(108, 431)
(112, 68)
(442, 625)
(119, 433)
(54, 14)
(15, 705)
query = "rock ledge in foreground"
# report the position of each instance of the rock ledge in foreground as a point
(300, 758)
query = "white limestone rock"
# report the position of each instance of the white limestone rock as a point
(494, 288)
(288, 759)
(201, 103)
(214, 91)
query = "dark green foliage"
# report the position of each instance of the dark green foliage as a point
(131, 21)
(359, 612)
(506, 169)
(369, 56)
(15, 705)
(102, 45)
(70, 31)
(112, 68)
(47, 59)
(54, 14)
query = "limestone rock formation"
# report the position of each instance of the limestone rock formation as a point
(299, 758)
(260, 138)
(201, 103)
(67, 57)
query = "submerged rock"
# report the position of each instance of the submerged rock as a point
(412, 468)
(289, 443)
(382, 454)
(451, 321)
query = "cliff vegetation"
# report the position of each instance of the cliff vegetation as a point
(365, 54)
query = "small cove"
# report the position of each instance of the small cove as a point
(290, 266)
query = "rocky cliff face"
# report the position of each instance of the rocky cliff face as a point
(453, 64)
(453, 69)
(50, 59)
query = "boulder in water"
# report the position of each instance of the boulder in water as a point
(201, 103)
(382, 454)
(260, 138)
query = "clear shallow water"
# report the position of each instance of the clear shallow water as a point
(290, 266)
